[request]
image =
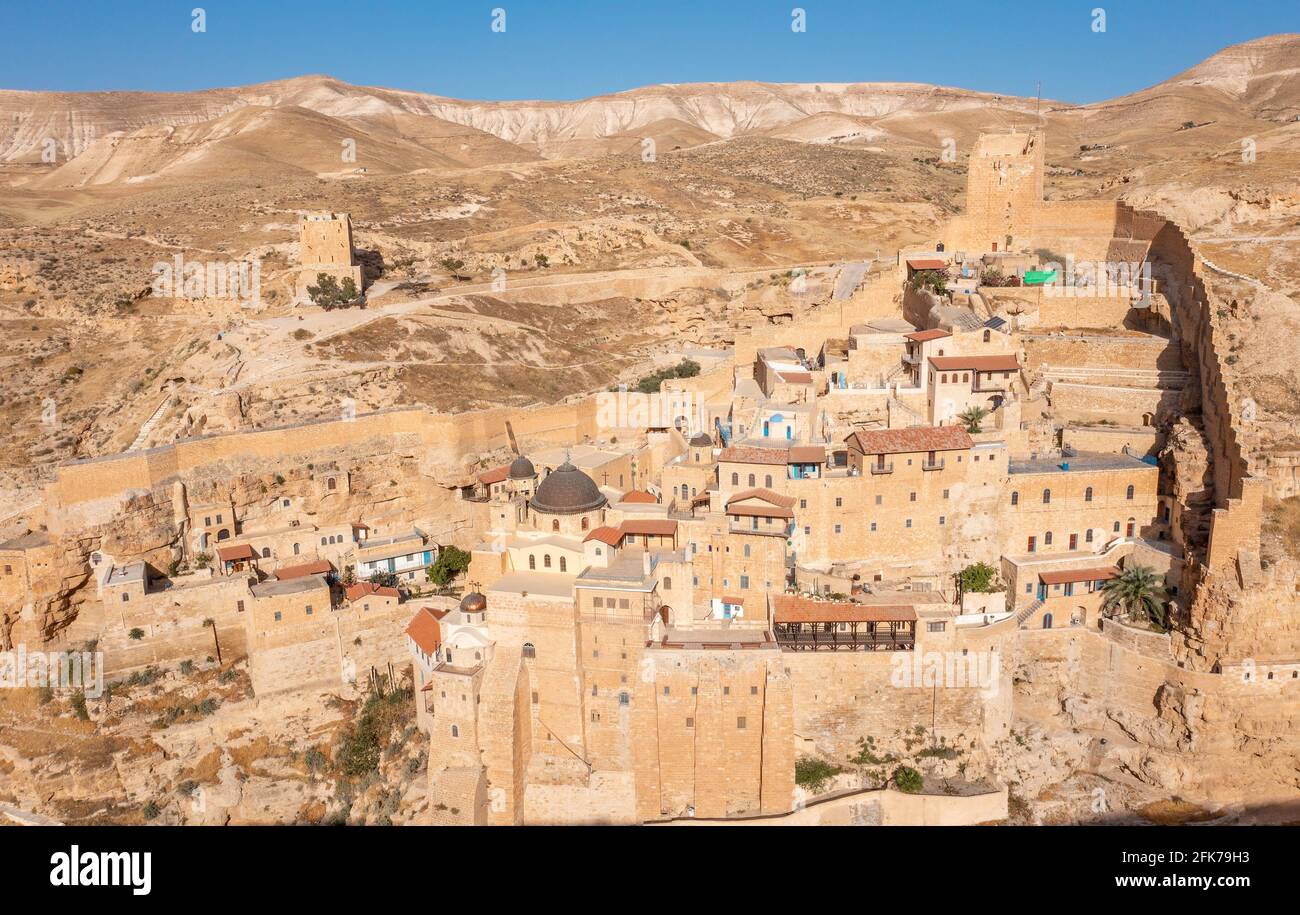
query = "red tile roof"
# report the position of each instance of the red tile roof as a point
(319, 567)
(927, 263)
(1006, 362)
(807, 454)
(760, 511)
(790, 608)
(767, 495)
(746, 455)
(495, 475)
(364, 589)
(661, 528)
(1104, 573)
(923, 336)
(607, 535)
(735, 601)
(911, 439)
(639, 496)
(425, 631)
(236, 552)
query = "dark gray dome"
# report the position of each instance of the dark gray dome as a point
(522, 469)
(567, 491)
(701, 440)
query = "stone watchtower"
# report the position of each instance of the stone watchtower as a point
(1004, 190)
(325, 246)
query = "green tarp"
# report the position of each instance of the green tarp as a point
(1039, 277)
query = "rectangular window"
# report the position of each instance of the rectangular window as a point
(239, 605)
(690, 722)
(936, 627)
(744, 582)
(277, 616)
(740, 723)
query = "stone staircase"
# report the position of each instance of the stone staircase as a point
(1028, 611)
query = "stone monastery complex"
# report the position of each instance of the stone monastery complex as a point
(667, 607)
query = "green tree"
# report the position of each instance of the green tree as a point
(451, 562)
(136, 634)
(329, 294)
(1138, 593)
(971, 418)
(935, 279)
(978, 578)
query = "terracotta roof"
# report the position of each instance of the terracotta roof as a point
(364, 589)
(607, 535)
(319, 567)
(746, 455)
(236, 552)
(790, 608)
(495, 475)
(437, 614)
(807, 454)
(1002, 363)
(662, 528)
(911, 439)
(737, 601)
(425, 631)
(639, 496)
(923, 336)
(760, 511)
(1065, 576)
(927, 263)
(766, 495)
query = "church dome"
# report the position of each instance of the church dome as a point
(522, 469)
(567, 491)
(473, 602)
(701, 440)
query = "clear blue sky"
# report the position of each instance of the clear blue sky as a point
(565, 49)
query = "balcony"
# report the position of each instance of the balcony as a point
(862, 637)
(936, 464)
(882, 468)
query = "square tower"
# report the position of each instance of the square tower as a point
(1004, 189)
(325, 246)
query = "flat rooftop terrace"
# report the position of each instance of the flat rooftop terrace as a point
(1083, 461)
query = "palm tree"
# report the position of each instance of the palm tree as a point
(971, 418)
(213, 623)
(1138, 592)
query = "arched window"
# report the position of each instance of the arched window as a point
(585, 522)
(751, 479)
(768, 481)
(685, 491)
(530, 651)
(296, 549)
(1129, 493)
(986, 336)
(1047, 539)
(266, 552)
(331, 484)
(324, 541)
(555, 524)
(564, 566)
(1047, 497)
(965, 376)
(455, 731)
(546, 561)
(532, 561)
(223, 534)
(1087, 537)
(944, 378)
(1087, 494)
(735, 479)
(1015, 498)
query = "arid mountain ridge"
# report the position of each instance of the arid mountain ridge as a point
(1257, 80)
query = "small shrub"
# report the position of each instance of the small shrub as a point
(813, 774)
(908, 780)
